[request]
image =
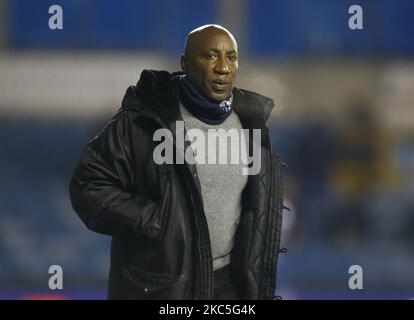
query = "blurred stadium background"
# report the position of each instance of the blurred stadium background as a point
(344, 122)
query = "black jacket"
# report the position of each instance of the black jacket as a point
(154, 213)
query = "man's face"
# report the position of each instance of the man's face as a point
(211, 64)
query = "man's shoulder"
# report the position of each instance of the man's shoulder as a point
(248, 94)
(245, 99)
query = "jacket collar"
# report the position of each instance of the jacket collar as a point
(157, 92)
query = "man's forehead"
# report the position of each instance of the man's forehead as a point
(216, 40)
(210, 37)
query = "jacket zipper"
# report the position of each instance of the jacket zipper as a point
(204, 246)
(272, 247)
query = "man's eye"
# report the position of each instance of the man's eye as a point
(211, 55)
(232, 58)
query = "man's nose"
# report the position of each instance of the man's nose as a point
(221, 66)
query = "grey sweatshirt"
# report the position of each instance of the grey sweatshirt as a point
(221, 185)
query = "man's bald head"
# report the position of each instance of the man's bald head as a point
(198, 34)
(210, 61)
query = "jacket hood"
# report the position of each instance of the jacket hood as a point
(157, 92)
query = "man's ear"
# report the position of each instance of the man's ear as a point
(183, 63)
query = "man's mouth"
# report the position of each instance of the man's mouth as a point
(219, 85)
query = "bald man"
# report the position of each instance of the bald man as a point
(183, 180)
